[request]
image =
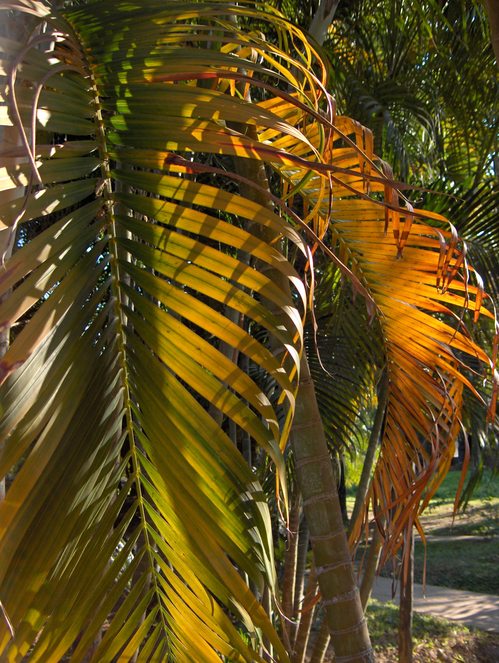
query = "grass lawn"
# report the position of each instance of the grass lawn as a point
(434, 639)
(468, 565)
(463, 551)
(481, 515)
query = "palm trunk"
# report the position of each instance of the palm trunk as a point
(333, 564)
(301, 568)
(322, 19)
(306, 620)
(342, 488)
(370, 567)
(290, 562)
(405, 606)
(493, 13)
(5, 333)
(12, 28)
(317, 484)
(246, 449)
(268, 654)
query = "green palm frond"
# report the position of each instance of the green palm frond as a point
(120, 307)
(345, 355)
(411, 72)
(475, 213)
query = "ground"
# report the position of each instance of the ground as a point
(462, 553)
(434, 639)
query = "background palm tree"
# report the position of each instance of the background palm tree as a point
(411, 72)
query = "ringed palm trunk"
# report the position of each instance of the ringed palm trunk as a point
(317, 484)
(333, 564)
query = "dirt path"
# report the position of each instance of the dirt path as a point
(477, 610)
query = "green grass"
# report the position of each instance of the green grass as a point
(434, 639)
(467, 565)
(487, 489)
(452, 559)
(486, 524)
(383, 620)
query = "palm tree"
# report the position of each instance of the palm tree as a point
(152, 279)
(410, 72)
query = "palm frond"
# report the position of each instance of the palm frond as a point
(474, 211)
(413, 272)
(344, 360)
(129, 505)
(411, 73)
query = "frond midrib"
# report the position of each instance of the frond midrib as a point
(119, 296)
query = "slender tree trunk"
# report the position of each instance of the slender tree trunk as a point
(11, 28)
(306, 619)
(246, 449)
(342, 488)
(321, 644)
(290, 562)
(365, 477)
(493, 12)
(267, 605)
(301, 568)
(322, 19)
(405, 609)
(6, 251)
(370, 566)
